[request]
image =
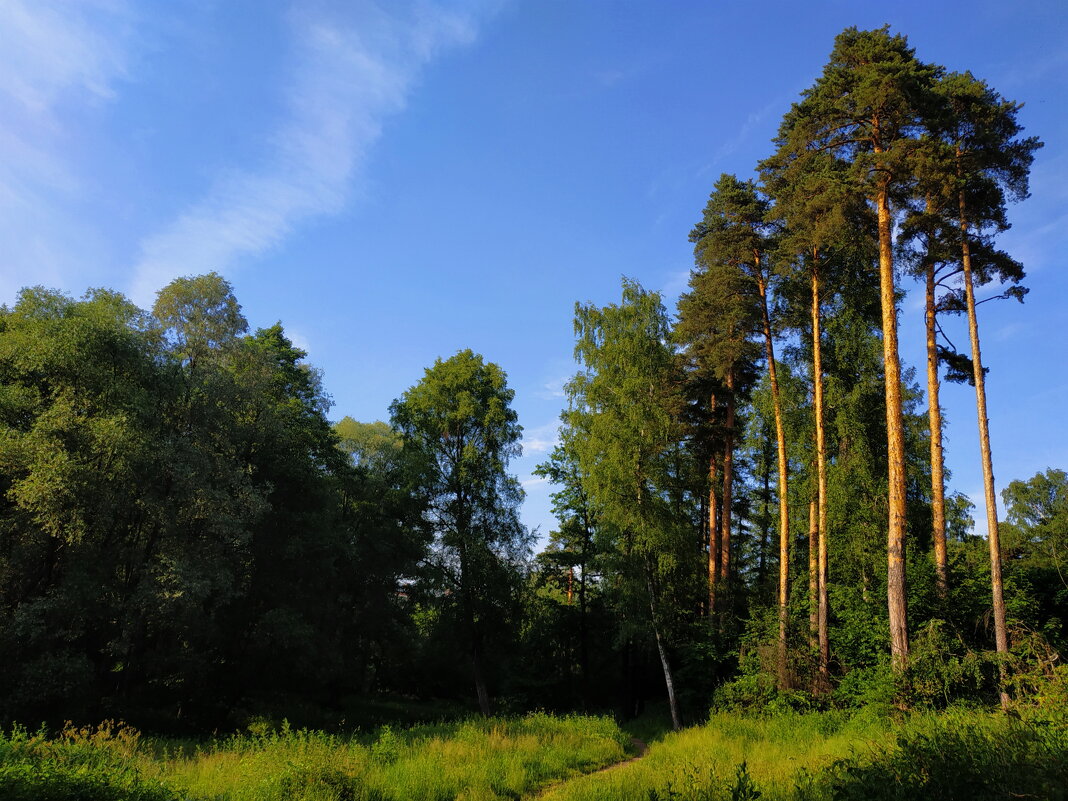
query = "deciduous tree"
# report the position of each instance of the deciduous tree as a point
(458, 423)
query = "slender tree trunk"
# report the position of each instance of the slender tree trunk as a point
(895, 441)
(728, 486)
(813, 576)
(584, 651)
(822, 634)
(713, 528)
(481, 689)
(765, 518)
(713, 537)
(475, 636)
(669, 680)
(934, 414)
(784, 513)
(1001, 635)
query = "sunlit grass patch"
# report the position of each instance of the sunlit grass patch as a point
(487, 759)
(484, 759)
(705, 762)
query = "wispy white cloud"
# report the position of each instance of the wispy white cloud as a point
(1027, 72)
(1007, 332)
(677, 282)
(752, 122)
(58, 57)
(53, 48)
(533, 482)
(541, 439)
(298, 339)
(554, 389)
(350, 71)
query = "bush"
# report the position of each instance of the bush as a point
(954, 757)
(757, 693)
(89, 764)
(51, 780)
(869, 687)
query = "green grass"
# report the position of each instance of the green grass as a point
(970, 755)
(80, 765)
(824, 756)
(701, 762)
(475, 759)
(967, 756)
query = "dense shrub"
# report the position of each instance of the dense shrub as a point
(954, 757)
(756, 693)
(90, 764)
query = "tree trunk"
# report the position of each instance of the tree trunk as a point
(813, 576)
(822, 634)
(669, 680)
(481, 690)
(584, 652)
(765, 499)
(713, 529)
(1001, 635)
(895, 441)
(728, 486)
(475, 636)
(934, 414)
(713, 537)
(784, 513)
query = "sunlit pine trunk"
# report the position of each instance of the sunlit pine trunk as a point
(728, 486)
(822, 633)
(784, 513)
(934, 415)
(813, 576)
(895, 437)
(713, 528)
(765, 519)
(1001, 635)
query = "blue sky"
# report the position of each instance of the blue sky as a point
(397, 181)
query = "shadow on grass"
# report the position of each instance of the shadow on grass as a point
(651, 726)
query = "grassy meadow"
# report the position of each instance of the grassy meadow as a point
(833, 755)
(474, 759)
(802, 757)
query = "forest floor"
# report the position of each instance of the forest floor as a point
(969, 754)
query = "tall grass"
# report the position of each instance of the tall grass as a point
(476, 759)
(802, 757)
(823, 756)
(87, 764)
(705, 762)
(973, 756)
